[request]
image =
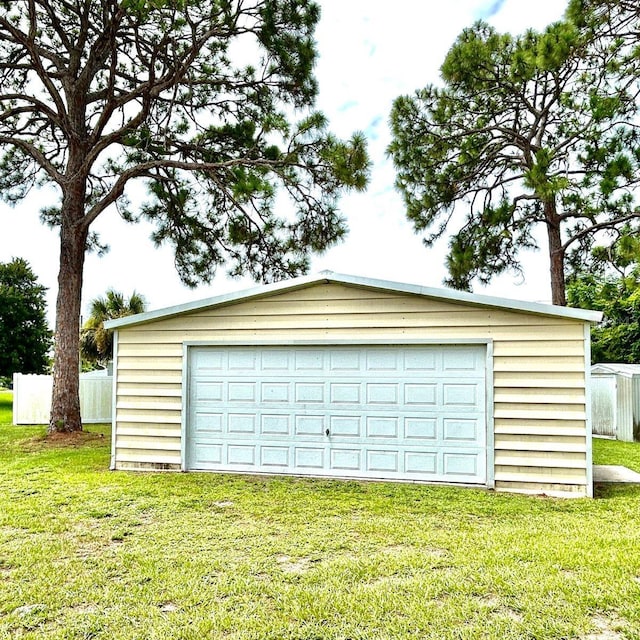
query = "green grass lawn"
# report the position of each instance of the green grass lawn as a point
(90, 554)
(6, 408)
(615, 452)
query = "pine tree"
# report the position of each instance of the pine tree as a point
(538, 131)
(96, 95)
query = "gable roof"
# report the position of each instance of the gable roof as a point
(329, 277)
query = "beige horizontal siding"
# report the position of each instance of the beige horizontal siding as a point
(144, 416)
(517, 334)
(143, 389)
(549, 411)
(555, 380)
(535, 395)
(252, 321)
(549, 459)
(539, 363)
(153, 430)
(538, 368)
(529, 442)
(539, 427)
(145, 456)
(159, 379)
(557, 475)
(154, 350)
(538, 348)
(148, 443)
(155, 363)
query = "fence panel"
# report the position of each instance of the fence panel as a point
(95, 399)
(32, 398)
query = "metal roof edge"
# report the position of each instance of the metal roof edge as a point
(619, 368)
(384, 285)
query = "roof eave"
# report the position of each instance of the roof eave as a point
(328, 277)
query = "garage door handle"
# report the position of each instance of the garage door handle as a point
(327, 432)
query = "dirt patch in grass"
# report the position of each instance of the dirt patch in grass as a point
(606, 628)
(299, 565)
(59, 440)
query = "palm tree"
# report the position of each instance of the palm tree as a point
(96, 342)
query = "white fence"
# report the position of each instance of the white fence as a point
(32, 398)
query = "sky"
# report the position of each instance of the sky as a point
(370, 52)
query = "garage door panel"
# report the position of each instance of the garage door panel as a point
(242, 391)
(209, 361)
(241, 454)
(413, 412)
(276, 360)
(273, 456)
(209, 391)
(421, 394)
(455, 430)
(242, 423)
(424, 463)
(348, 460)
(344, 360)
(309, 458)
(309, 392)
(345, 393)
(208, 422)
(278, 392)
(382, 428)
(308, 360)
(461, 464)
(309, 426)
(276, 425)
(420, 429)
(460, 395)
(382, 393)
(462, 359)
(242, 360)
(382, 360)
(420, 360)
(345, 426)
(205, 455)
(382, 461)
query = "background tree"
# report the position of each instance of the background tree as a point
(198, 99)
(25, 338)
(528, 132)
(610, 282)
(96, 342)
(606, 19)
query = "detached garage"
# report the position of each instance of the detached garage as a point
(339, 376)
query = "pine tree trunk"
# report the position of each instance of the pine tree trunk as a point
(556, 255)
(65, 401)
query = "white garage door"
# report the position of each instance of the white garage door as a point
(394, 412)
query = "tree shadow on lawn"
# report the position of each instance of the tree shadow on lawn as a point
(616, 490)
